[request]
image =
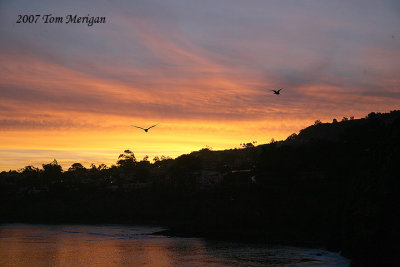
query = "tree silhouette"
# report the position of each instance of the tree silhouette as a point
(248, 145)
(29, 170)
(126, 160)
(291, 137)
(76, 167)
(52, 168)
(102, 167)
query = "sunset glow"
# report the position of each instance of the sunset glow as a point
(203, 70)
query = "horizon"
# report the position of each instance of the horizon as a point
(87, 163)
(203, 71)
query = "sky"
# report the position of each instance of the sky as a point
(203, 70)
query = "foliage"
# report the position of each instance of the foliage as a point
(248, 145)
(52, 168)
(126, 160)
(76, 167)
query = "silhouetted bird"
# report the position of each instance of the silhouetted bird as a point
(276, 92)
(146, 130)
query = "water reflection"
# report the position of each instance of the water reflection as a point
(114, 245)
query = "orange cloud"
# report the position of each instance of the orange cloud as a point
(204, 73)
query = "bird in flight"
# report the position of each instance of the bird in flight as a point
(276, 92)
(147, 129)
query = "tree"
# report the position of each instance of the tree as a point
(52, 167)
(52, 170)
(291, 137)
(248, 145)
(161, 161)
(207, 148)
(102, 167)
(76, 167)
(372, 115)
(144, 162)
(126, 160)
(29, 170)
(165, 158)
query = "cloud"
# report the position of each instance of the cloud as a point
(198, 66)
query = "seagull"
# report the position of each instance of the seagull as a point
(276, 92)
(146, 130)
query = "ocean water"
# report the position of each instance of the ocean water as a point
(121, 245)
